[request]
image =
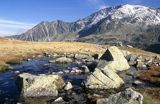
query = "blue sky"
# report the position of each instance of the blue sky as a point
(16, 16)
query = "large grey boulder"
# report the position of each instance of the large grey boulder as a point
(129, 96)
(113, 59)
(103, 80)
(40, 85)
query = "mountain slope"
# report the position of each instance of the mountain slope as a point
(135, 25)
(60, 30)
(48, 31)
(130, 24)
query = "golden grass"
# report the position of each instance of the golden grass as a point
(152, 75)
(139, 52)
(148, 99)
(150, 94)
(13, 50)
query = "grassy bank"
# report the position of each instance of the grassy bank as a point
(14, 51)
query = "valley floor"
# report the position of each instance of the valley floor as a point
(14, 51)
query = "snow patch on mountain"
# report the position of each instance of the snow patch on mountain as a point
(139, 13)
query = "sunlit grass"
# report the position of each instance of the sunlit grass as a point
(14, 51)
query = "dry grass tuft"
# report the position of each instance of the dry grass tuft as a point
(152, 75)
(3, 68)
(151, 95)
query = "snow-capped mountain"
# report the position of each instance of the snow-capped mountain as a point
(139, 13)
(95, 17)
(127, 23)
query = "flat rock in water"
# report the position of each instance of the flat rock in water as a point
(63, 60)
(81, 56)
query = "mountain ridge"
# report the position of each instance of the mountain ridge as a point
(131, 24)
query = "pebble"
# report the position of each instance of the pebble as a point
(68, 86)
(66, 71)
(60, 99)
(138, 83)
(60, 72)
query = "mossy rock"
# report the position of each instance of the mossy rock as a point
(149, 100)
(13, 62)
(3, 68)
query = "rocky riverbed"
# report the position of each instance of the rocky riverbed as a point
(78, 79)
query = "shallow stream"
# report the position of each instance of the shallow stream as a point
(9, 93)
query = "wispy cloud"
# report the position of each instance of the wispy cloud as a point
(103, 6)
(134, 1)
(100, 4)
(10, 27)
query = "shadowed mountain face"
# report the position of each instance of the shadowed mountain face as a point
(154, 48)
(131, 24)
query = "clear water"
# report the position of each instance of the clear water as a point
(9, 93)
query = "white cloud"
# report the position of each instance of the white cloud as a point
(103, 6)
(100, 4)
(3, 33)
(134, 1)
(10, 27)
